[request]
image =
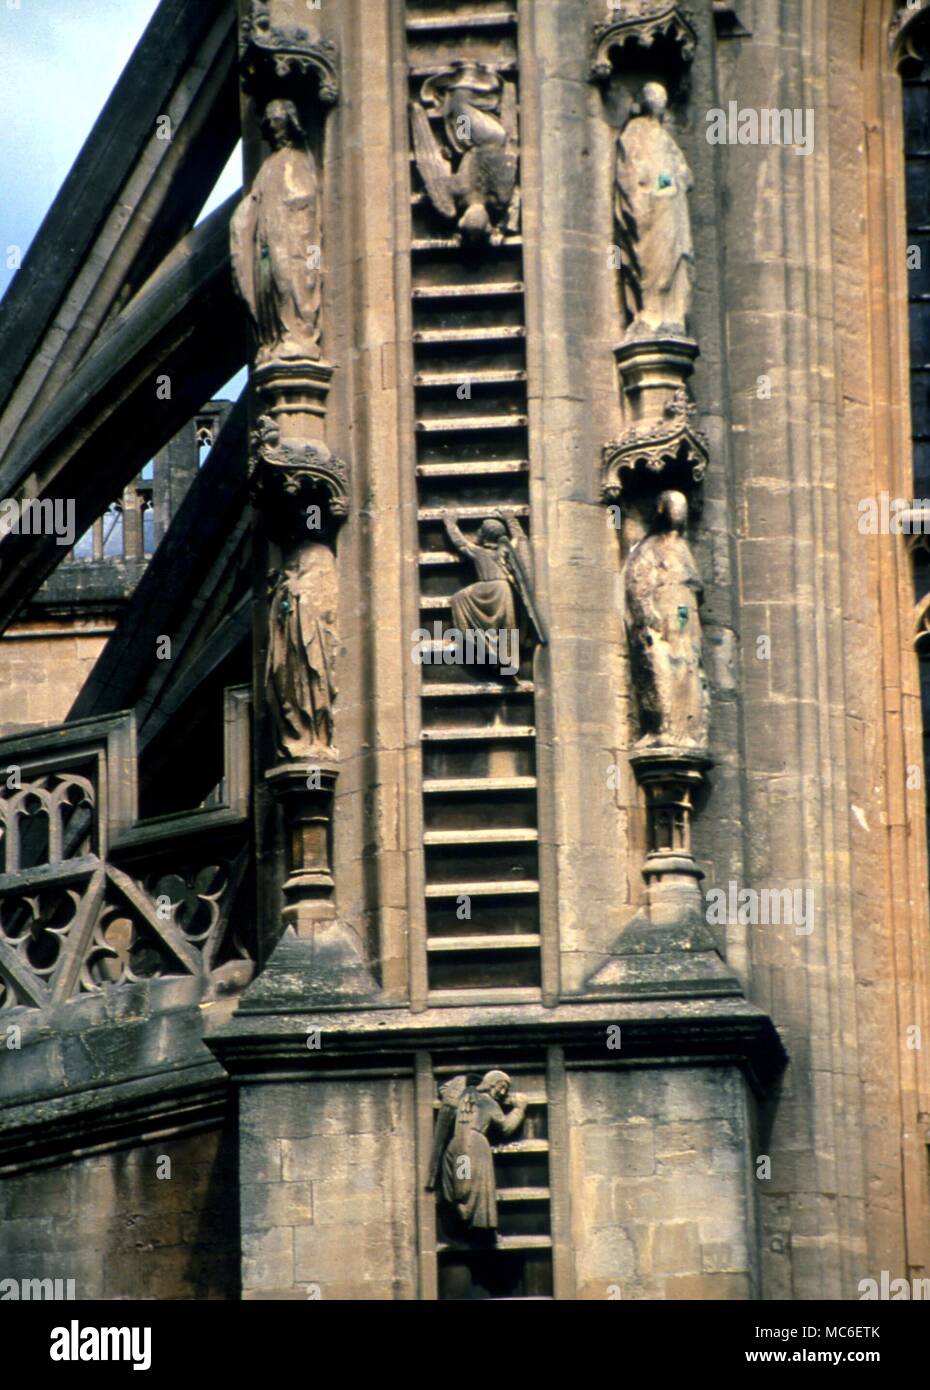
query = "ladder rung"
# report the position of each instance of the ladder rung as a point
(463, 734)
(454, 243)
(526, 941)
(488, 888)
(471, 468)
(438, 557)
(522, 1146)
(516, 836)
(503, 994)
(504, 377)
(469, 511)
(465, 424)
(536, 1098)
(502, 1243)
(437, 785)
(493, 19)
(476, 291)
(435, 690)
(471, 335)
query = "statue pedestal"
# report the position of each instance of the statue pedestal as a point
(651, 370)
(294, 386)
(308, 814)
(668, 948)
(318, 955)
(662, 447)
(672, 778)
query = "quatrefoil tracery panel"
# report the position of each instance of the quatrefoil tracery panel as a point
(93, 897)
(101, 926)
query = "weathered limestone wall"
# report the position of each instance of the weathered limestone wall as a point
(111, 1224)
(659, 1163)
(328, 1173)
(40, 674)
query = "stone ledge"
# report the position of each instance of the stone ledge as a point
(368, 1041)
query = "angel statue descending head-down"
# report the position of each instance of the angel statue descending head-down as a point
(479, 116)
(653, 224)
(461, 1162)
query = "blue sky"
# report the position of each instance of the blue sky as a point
(59, 60)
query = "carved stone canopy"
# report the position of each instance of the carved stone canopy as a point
(909, 35)
(669, 446)
(272, 53)
(641, 23)
(289, 476)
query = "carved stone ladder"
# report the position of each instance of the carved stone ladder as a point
(478, 727)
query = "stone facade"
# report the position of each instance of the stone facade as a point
(345, 916)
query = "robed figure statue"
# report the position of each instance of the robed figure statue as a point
(275, 243)
(503, 563)
(461, 1163)
(302, 642)
(663, 593)
(652, 221)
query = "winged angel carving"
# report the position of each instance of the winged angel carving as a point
(503, 562)
(462, 1162)
(474, 181)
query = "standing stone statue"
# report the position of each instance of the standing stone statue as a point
(275, 243)
(653, 224)
(461, 1162)
(302, 642)
(663, 593)
(503, 562)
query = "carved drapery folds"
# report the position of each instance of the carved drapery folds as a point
(474, 1112)
(299, 487)
(655, 467)
(472, 180)
(275, 234)
(663, 594)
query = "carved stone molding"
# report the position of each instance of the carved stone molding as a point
(671, 446)
(289, 476)
(272, 54)
(641, 23)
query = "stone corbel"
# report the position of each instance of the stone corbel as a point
(291, 476)
(275, 54)
(669, 452)
(640, 23)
